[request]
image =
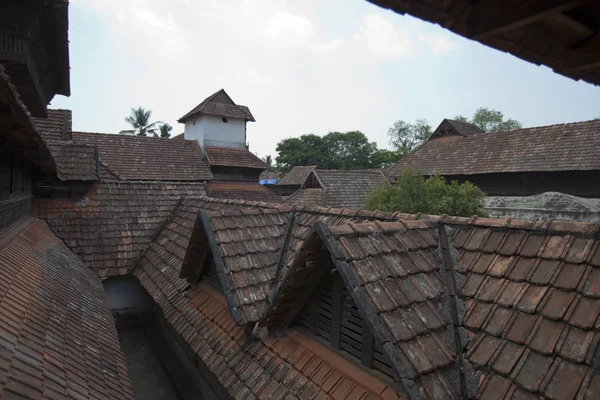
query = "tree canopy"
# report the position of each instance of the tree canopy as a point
(336, 150)
(165, 131)
(489, 120)
(404, 136)
(412, 193)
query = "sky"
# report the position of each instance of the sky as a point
(307, 66)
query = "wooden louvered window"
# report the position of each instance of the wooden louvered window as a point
(209, 273)
(334, 318)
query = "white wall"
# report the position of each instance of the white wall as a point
(210, 130)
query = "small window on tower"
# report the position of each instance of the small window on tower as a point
(224, 120)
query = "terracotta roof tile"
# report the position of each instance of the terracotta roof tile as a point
(116, 221)
(297, 175)
(58, 338)
(342, 188)
(146, 158)
(219, 103)
(239, 190)
(563, 147)
(227, 157)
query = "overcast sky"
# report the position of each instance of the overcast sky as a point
(305, 66)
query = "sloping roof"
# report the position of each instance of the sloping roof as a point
(116, 221)
(343, 188)
(58, 338)
(219, 103)
(526, 293)
(453, 127)
(283, 368)
(226, 157)
(297, 176)
(240, 190)
(78, 162)
(559, 35)
(22, 130)
(306, 197)
(394, 273)
(148, 159)
(532, 292)
(565, 147)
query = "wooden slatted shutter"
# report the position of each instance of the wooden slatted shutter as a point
(350, 333)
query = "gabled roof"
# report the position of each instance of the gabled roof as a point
(58, 338)
(297, 176)
(394, 274)
(292, 367)
(241, 190)
(228, 157)
(116, 221)
(450, 127)
(342, 188)
(219, 103)
(310, 197)
(564, 147)
(148, 159)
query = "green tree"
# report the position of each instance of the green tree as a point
(139, 119)
(383, 158)
(490, 120)
(268, 160)
(413, 193)
(349, 150)
(405, 137)
(165, 130)
(304, 150)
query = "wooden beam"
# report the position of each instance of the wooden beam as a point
(585, 56)
(492, 17)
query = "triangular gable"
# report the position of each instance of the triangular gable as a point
(450, 127)
(221, 97)
(313, 182)
(393, 272)
(244, 246)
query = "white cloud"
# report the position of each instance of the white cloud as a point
(384, 39)
(439, 43)
(331, 45)
(289, 30)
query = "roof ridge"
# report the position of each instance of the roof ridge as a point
(128, 136)
(519, 130)
(378, 227)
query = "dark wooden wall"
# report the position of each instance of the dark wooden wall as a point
(15, 187)
(576, 183)
(236, 173)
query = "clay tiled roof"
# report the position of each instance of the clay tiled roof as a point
(394, 273)
(566, 147)
(226, 157)
(307, 197)
(116, 221)
(219, 103)
(239, 190)
(245, 247)
(57, 127)
(297, 176)
(532, 292)
(77, 162)
(527, 292)
(246, 367)
(342, 188)
(57, 337)
(148, 159)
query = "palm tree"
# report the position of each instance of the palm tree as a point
(269, 160)
(140, 120)
(165, 130)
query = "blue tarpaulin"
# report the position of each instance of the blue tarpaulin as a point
(268, 181)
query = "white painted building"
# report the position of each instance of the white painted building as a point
(217, 122)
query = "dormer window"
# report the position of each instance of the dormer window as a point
(224, 119)
(335, 320)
